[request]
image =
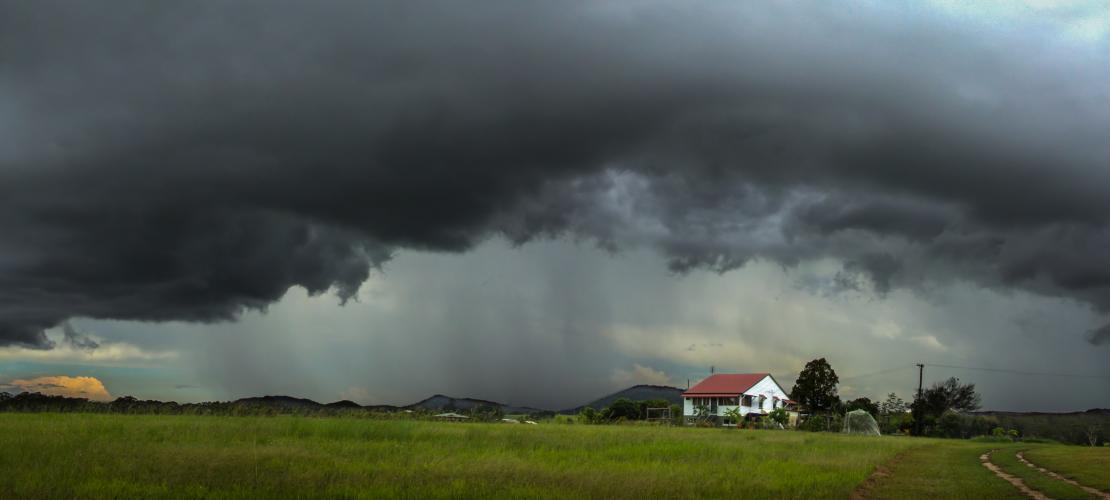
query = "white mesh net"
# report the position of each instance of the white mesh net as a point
(860, 422)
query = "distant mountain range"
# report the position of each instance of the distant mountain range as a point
(448, 403)
(283, 402)
(992, 413)
(636, 393)
(440, 402)
(1074, 427)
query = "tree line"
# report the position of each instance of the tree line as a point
(626, 410)
(38, 402)
(944, 409)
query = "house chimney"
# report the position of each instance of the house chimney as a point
(712, 370)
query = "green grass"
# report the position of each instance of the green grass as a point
(1006, 459)
(123, 456)
(942, 469)
(65, 456)
(1089, 466)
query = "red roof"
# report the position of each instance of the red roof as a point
(725, 384)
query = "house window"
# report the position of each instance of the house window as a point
(747, 400)
(733, 401)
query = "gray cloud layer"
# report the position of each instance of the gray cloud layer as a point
(187, 162)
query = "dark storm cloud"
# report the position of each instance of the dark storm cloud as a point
(77, 339)
(1099, 336)
(184, 162)
(920, 222)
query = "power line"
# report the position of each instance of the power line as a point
(880, 372)
(1020, 372)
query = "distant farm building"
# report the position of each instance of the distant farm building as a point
(452, 416)
(754, 394)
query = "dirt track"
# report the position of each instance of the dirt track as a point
(1017, 482)
(1088, 489)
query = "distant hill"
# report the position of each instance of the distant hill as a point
(344, 404)
(635, 393)
(292, 403)
(1069, 427)
(282, 402)
(1092, 411)
(448, 403)
(439, 402)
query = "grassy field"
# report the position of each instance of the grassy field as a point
(1088, 466)
(942, 469)
(102, 456)
(1006, 459)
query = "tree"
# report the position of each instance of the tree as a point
(1092, 433)
(948, 395)
(487, 413)
(941, 399)
(643, 405)
(893, 405)
(588, 415)
(702, 415)
(948, 425)
(864, 404)
(892, 415)
(624, 408)
(779, 416)
(816, 387)
(735, 415)
(676, 415)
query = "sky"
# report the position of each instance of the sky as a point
(541, 203)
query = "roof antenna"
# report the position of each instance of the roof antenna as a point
(712, 370)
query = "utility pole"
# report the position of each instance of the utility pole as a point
(920, 378)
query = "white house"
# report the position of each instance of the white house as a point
(754, 393)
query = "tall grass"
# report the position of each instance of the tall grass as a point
(101, 456)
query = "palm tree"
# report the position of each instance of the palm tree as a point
(735, 415)
(701, 414)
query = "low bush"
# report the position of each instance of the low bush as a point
(822, 423)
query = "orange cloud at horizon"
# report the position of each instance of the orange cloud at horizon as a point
(62, 385)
